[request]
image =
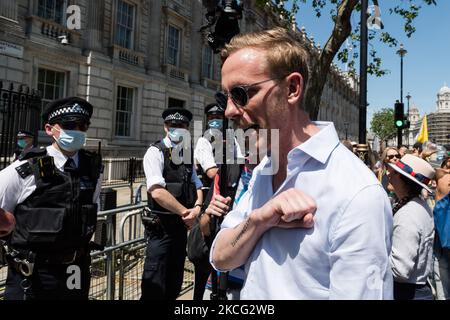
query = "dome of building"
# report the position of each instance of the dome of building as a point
(444, 90)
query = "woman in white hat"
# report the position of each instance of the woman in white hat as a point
(413, 234)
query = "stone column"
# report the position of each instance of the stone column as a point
(154, 39)
(196, 42)
(94, 23)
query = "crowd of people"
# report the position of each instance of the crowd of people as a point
(310, 221)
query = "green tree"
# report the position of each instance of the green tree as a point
(341, 12)
(383, 124)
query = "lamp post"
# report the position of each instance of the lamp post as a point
(401, 52)
(362, 146)
(408, 97)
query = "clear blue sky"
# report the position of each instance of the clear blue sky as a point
(426, 65)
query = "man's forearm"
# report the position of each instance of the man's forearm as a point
(167, 201)
(233, 246)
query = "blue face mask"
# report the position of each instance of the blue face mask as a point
(71, 140)
(176, 134)
(215, 124)
(22, 144)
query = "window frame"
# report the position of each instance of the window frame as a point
(63, 88)
(53, 13)
(119, 26)
(209, 74)
(130, 113)
(178, 49)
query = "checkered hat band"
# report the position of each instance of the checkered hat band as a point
(176, 116)
(69, 109)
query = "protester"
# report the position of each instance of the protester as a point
(320, 226)
(441, 251)
(413, 232)
(389, 155)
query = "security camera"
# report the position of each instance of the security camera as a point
(64, 40)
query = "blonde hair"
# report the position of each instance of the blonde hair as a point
(384, 155)
(284, 54)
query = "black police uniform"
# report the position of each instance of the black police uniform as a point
(166, 232)
(56, 222)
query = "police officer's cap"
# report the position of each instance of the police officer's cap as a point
(177, 115)
(69, 109)
(24, 133)
(214, 108)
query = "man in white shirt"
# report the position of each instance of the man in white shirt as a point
(175, 199)
(318, 228)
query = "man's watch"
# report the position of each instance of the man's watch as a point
(199, 205)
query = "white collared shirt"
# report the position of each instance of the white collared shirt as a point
(346, 254)
(154, 166)
(14, 189)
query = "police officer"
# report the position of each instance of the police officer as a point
(204, 153)
(175, 199)
(53, 193)
(25, 141)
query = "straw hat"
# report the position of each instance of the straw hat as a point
(415, 169)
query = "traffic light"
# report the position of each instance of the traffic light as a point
(399, 116)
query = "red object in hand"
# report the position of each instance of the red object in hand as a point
(7, 222)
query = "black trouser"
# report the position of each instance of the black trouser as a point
(202, 270)
(164, 262)
(51, 282)
(412, 291)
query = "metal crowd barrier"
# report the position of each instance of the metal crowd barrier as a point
(116, 271)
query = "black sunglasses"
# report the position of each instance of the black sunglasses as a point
(239, 94)
(72, 125)
(392, 156)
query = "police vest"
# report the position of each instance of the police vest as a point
(60, 214)
(178, 178)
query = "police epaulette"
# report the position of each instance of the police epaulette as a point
(24, 170)
(34, 153)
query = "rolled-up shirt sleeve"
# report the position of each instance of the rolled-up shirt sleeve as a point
(153, 167)
(360, 246)
(204, 155)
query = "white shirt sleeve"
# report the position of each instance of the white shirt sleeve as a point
(360, 246)
(154, 167)
(204, 155)
(13, 188)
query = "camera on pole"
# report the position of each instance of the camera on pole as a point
(224, 16)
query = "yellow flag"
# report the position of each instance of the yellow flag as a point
(423, 133)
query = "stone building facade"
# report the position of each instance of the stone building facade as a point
(439, 121)
(132, 59)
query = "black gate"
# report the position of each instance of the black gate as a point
(19, 110)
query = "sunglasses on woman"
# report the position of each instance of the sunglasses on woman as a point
(392, 156)
(239, 94)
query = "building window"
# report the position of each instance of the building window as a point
(176, 103)
(52, 10)
(124, 109)
(173, 46)
(125, 24)
(208, 63)
(51, 85)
